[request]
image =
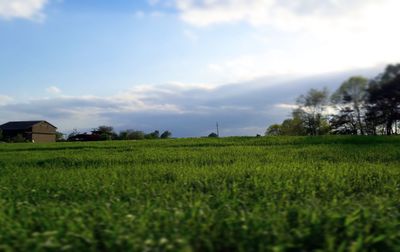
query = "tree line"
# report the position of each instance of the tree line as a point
(360, 106)
(104, 132)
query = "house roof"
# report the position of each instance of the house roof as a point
(21, 125)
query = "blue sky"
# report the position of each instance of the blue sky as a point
(183, 64)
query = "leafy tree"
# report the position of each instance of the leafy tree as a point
(73, 133)
(363, 107)
(136, 135)
(105, 129)
(289, 127)
(350, 99)
(295, 125)
(153, 135)
(213, 135)
(384, 104)
(391, 72)
(382, 108)
(123, 135)
(273, 130)
(373, 123)
(344, 123)
(325, 127)
(311, 110)
(106, 132)
(131, 135)
(1, 135)
(166, 134)
(59, 136)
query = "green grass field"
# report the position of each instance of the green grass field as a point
(233, 194)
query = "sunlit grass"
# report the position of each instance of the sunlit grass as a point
(248, 194)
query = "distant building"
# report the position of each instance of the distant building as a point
(33, 131)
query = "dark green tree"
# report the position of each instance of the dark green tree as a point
(123, 135)
(294, 126)
(106, 132)
(391, 72)
(73, 133)
(166, 134)
(349, 99)
(273, 130)
(213, 135)
(131, 135)
(384, 104)
(153, 135)
(136, 135)
(344, 122)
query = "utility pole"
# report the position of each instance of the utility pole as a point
(217, 129)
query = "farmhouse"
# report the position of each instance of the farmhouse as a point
(34, 131)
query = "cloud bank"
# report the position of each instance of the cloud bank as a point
(283, 14)
(300, 37)
(185, 109)
(25, 9)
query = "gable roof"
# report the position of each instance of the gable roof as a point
(21, 125)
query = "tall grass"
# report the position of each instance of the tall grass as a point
(233, 194)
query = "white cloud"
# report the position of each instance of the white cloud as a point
(247, 67)
(287, 106)
(26, 9)
(301, 61)
(53, 90)
(309, 36)
(280, 13)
